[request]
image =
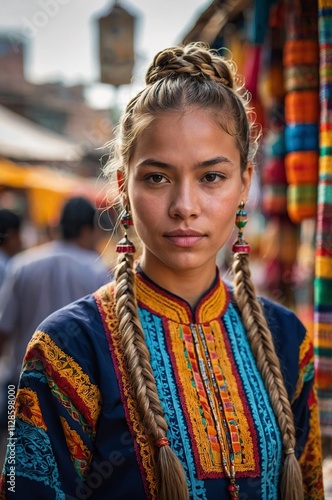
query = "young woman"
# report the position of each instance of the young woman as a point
(168, 384)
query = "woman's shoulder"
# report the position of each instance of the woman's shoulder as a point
(77, 327)
(282, 321)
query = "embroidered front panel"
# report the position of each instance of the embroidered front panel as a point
(178, 432)
(205, 375)
(198, 352)
(216, 376)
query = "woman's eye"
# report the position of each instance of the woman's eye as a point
(213, 177)
(155, 178)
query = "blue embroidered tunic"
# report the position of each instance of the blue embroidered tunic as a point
(77, 432)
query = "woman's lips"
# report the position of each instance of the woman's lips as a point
(184, 239)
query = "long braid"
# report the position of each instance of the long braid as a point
(268, 363)
(171, 477)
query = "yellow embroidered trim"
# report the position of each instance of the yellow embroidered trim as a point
(165, 306)
(213, 307)
(198, 410)
(105, 297)
(79, 453)
(28, 408)
(160, 303)
(68, 369)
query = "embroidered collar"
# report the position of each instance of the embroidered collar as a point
(211, 305)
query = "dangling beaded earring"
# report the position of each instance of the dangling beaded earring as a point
(241, 219)
(125, 245)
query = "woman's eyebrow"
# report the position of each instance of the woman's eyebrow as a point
(151, 162)
(213, 161)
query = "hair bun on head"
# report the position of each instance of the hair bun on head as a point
(195, 60)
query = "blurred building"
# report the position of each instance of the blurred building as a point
(59, 108)
(51, 143)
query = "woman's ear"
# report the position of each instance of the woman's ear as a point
(246, 181)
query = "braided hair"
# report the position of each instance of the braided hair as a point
(179, 78)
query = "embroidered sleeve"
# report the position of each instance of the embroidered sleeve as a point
(305, 409)
(56, 412)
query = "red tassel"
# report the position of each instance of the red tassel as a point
(125, 246)
(241, 246)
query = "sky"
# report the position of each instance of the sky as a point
(62, 38)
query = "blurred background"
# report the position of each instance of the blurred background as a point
(67, 69)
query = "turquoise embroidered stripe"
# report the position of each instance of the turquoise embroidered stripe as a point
(163, 371)
(265, 421)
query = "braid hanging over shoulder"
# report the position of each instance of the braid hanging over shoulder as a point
(268, 363)
(172, 480)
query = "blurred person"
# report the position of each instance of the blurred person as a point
(43, 279)
(176, 384)
(10, 238)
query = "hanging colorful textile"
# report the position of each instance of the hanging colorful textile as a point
(323, 278)
(301, 55)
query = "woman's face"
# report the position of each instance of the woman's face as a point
(184, 187)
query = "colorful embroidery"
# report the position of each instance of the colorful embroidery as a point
(28, 409)
(180, 352)
(311, 458)
(66, 378)
(306, 365)
(180, 439)
(79, 453)
(144, 453)
(32, 451)
(268, 434)
(160, 302)
(188, 365)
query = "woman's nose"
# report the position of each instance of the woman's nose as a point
(185, 201)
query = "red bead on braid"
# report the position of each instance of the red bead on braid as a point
(162, 442)
(125, 245)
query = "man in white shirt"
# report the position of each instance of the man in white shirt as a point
(45, 278)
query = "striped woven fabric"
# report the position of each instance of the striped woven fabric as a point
(323, 272)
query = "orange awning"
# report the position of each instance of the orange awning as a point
(47, 188)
